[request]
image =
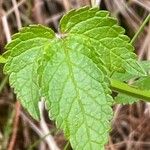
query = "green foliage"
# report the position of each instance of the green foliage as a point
(95, 30)
(146, 65)
(125, 99)
(125, 76)
(78, 96)
(72, 71)
(25, 50)
(143, 83)
(2, 60)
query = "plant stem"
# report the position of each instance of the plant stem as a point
(2, 84)
(129, 90)
(140, 29)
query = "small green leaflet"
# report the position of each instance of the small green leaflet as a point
(72, 72)
(143, 83)
(125, 99)
(126, 76)
(146, 65)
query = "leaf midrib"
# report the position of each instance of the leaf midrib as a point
(68, 61)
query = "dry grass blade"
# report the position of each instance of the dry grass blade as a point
(49, 139)
(18, 20)
(6, 28)
(143, 3)
(15, 126)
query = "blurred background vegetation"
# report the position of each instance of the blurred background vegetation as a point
(18, 131)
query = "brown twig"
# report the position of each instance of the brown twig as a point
(38, 11)
(15, 126)
(17, 14)
(66, 5)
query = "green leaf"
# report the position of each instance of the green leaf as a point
(71, 72)
(99, 32)
(77, 96)
(2, 60)
(24, 51)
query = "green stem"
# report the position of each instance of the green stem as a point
(2, 84)
(66, 146)
(140, 29)
(38, 141)
(129, 90)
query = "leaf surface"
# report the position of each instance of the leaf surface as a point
(99, 32)
(77, 97)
